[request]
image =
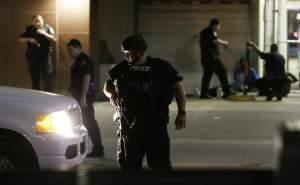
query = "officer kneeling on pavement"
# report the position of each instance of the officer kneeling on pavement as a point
(141, 88)
(275, 76)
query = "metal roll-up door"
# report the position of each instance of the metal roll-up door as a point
(171, 29)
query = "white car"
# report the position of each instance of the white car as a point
(40, 130)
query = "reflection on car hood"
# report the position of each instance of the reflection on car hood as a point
(31, 99)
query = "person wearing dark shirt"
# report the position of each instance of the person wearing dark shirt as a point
(82, 88)
(274, 70)
(142, 87)
(210, 58)
(38, 37)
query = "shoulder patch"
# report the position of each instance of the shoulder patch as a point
(49, 29)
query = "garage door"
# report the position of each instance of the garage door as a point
(172, 27)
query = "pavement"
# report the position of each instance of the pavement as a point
(219, 134)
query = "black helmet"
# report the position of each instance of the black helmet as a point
(214, 22)
(274, 48)
(134, 43)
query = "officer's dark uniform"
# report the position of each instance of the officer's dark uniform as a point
(274, 74)
(39, 58)
(84, 65)
(145, 92)
(210, 59)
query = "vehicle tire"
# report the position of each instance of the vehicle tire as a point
(16, 156)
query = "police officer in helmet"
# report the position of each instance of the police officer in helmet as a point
(141, 88)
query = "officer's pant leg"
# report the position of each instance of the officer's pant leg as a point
(207, 74)
(277, 86)
(158, 150)
(121, 153)
(222, 75)
(269, 89)
(47, 74)
(261, 85)
(88, 115)
(34, 70)
(130, 153)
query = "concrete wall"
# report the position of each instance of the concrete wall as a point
(68, 22)
(272, 26)
(73, 22)
(282, 27)
(254, 30)
(116, 21)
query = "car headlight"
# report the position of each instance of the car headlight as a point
(57, 122)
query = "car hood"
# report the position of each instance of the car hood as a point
(32, 100)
